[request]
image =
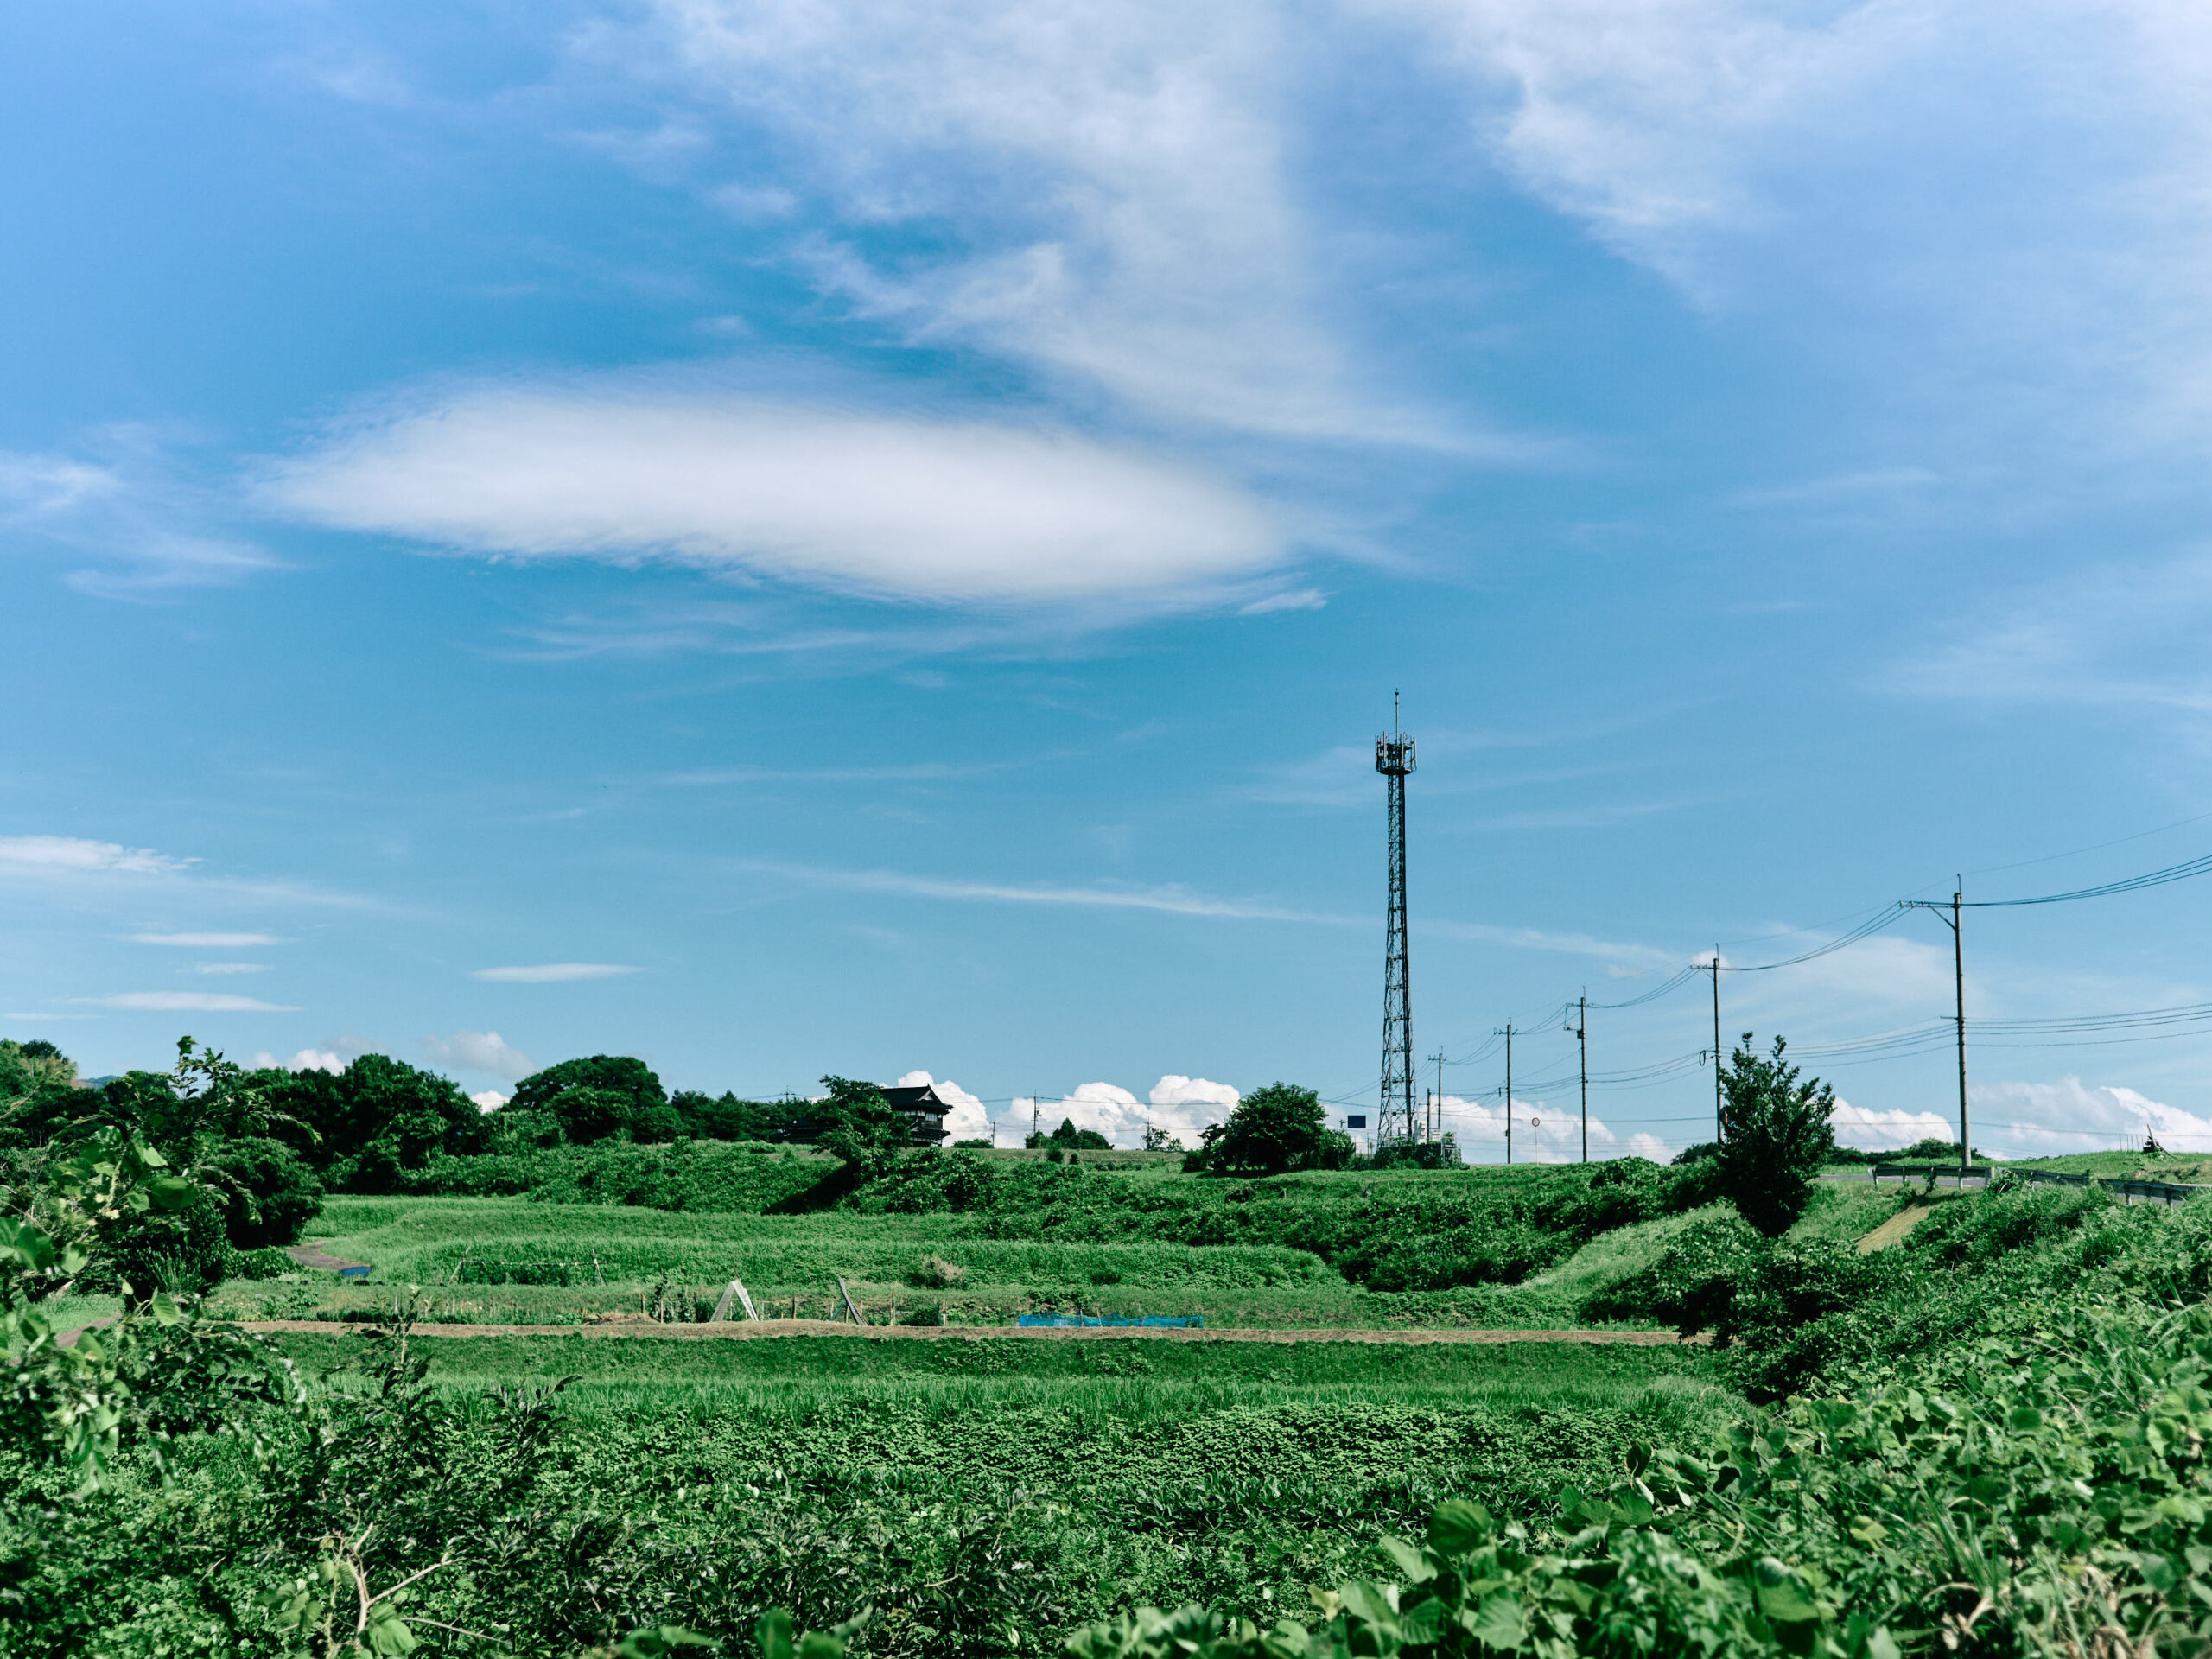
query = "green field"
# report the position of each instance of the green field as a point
(976, 1495)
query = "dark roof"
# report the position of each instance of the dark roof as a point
(922, 1098)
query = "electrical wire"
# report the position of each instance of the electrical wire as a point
(2182, 872)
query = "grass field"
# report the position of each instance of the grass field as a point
(1096, 1382)
(1115, 1472)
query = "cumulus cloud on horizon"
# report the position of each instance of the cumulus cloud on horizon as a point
(1181, 1105)
(1543, 1134)
(483, 1051)
(308, 1059)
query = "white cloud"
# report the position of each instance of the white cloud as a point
(148, 529)
(72, 853)
(185, 1002)
(942, 510)
(966, 1121)
(490, 1100)
(1886, 1131)
(554, 973)
(1178, 1104)
(308, 1059)
(1111, 188)
(1543, 1132)
(478, 1050)
(1174, 900)
(2029, 1119)
(2012, 186)
(208, 941)
(229, 968)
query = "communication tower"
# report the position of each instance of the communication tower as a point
(1394, 1120)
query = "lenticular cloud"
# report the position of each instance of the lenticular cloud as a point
(946, 510)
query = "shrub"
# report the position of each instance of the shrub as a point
(1693, 1285)
(268, 1192)
(1068, 1138)
(935, 1272)
(2012, 1215)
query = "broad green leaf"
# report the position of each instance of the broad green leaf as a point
(1460, 1526)
(1501, 1623)
(1783, 1596)
(1411, 1562)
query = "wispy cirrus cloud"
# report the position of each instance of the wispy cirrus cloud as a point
(208, 941)
(554, 973)
(75, 852)
(141, 524)
(184, 1002)
(1170, 901)
(1111, 195)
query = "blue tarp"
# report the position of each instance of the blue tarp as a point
(1196, 1321)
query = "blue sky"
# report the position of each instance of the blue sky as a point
(791, 538)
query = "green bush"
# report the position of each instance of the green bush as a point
(1694, 1283)
(267, 1262)
(269, 1193)
(2010, 1216)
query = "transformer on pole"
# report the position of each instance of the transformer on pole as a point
(1395, 1120)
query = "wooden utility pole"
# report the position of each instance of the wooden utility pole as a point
(1958, 983)
(1582, 1036)
(1508, 1091)
(1719, 1110)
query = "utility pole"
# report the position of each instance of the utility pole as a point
(1959, 980)
(1720, 1112)
(1582, 1036)
(1508, 1035)
(1436, 1115)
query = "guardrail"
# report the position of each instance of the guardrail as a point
(1929, 1171)
(2126, 1190)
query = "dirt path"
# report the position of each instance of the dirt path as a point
(767, 1328)
(1893, 1231)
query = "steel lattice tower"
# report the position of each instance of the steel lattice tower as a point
(1394, 1118)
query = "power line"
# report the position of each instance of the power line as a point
(2182, 872)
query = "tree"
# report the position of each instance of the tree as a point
(1778, 1136)
(1280, 1127)
(367, 1126)
(38, 1092)
(587, 1115)
(1068, 1138)
(642, 1113)
(860, 1128)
